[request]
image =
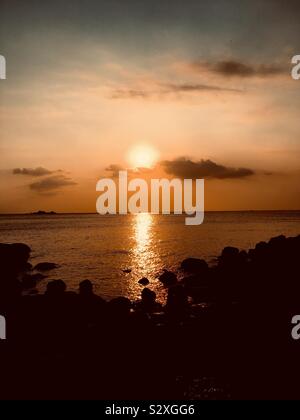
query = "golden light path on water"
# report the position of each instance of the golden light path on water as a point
(145, 259)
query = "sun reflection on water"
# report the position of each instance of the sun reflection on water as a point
(146, 261)
(143, 234)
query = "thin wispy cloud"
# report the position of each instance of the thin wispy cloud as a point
(40, 171)
(168, 89)
(115, 168)
(186, 87)
(238, 68)
(52, 184)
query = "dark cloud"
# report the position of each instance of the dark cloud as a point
(186, 87)
(167, 89)
(33, 171)
(51, 184)
(130, 93)
(114, 169)
(186, 168)
(235, 68)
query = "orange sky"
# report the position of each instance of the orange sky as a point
(76, 101)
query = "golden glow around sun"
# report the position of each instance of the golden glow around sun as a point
(142, 156)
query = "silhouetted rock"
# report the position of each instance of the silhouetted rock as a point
(86, 288)
(14, 258)
(144, 281)
(13, 264)
(29, 281)
(168, 278)
(191, 281)
(194, 265)
(229, 253)
(177, 303)
(56, 288)
(45, 266)
(148, 303)
(277, 241)
(82, 340)
(91, 305)
(121, 304)
(261, 246)
(119, 310)
(86, 291)
(43, 212)
(28, 267)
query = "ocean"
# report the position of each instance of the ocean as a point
(114, 252)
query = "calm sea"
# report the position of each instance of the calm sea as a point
(99, 248)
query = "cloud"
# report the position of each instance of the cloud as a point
(33, 171)
(51, 184)
(130, 94)
(186, 87)
(235, 68)
(167, 89)
(186, 168)
(115, 168)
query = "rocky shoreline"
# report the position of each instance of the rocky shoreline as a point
(219, 335)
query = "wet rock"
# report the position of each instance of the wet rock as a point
(45, 266)
(168, 278)
(144, 281)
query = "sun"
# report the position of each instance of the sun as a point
(142, 156)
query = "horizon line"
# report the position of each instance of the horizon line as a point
(48, 213)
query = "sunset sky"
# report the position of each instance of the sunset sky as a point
(193, 88)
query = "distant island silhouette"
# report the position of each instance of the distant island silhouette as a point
(43, 212)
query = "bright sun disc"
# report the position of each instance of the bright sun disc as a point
(142, 157)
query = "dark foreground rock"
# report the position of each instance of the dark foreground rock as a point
(229, 329)
(194, 265)
(144, 281)
(29, 281)
(168, 278)
(14, 258)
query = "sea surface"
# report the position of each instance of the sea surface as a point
(105, 248)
